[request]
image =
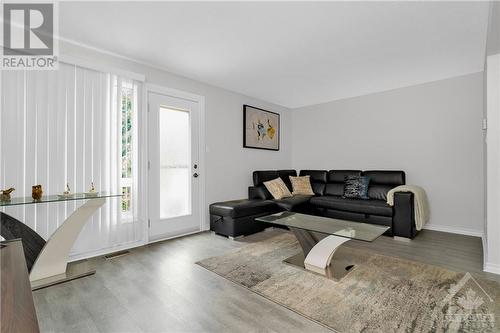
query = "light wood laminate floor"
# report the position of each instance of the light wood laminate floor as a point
(158, 288)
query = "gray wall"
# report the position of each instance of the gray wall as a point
(228, 165)
(432, 131)
(493, 40)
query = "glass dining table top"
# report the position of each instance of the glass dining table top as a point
(57, 198)
(331, 226)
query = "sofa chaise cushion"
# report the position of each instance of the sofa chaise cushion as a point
(372, 207)
(293, 203)
(243, 207)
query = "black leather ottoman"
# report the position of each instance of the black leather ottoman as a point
(237, 217)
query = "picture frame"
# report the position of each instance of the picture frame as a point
(261, 128)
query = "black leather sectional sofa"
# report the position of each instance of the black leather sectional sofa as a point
(236, 218)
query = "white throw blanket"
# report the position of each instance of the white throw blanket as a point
(422, 213)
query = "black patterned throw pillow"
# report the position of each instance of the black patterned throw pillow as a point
(356, 187)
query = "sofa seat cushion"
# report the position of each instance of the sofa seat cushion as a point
(293, 203)
(243, 207)
(372, 207)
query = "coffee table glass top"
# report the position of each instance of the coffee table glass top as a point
(354, 230)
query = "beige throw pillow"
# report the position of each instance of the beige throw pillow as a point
(301, 185)
(278, 189)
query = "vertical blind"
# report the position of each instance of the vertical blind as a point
(64, 127)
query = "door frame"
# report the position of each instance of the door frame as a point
(491, 262)
(153, 88)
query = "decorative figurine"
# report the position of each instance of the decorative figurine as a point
(68, 190)
(36, 192)
(91, 191)
(66, 194)
(5, 194)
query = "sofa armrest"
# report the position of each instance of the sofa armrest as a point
(257, 192)
(403, 221)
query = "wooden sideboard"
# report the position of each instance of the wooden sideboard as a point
(17, 309)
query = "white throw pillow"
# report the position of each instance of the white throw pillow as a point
(301, 185)
(278, 189)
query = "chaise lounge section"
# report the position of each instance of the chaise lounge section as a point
(236, 218)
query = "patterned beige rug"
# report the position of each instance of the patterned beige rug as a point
(383, 294)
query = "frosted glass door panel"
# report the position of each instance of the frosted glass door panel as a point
(174, 192)
(175, 162)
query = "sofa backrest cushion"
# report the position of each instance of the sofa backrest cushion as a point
(386, 177)
(261, 176)
(383, 181)
(318, 180)
(335, 181)
(338, 176)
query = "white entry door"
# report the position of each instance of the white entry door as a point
(174, 170)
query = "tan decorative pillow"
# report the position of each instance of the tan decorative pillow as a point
(278, 189)
(301, 185)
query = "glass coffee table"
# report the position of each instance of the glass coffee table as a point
(320, 239)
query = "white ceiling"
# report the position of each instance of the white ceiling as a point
(290, 53)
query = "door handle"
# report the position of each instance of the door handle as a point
(195, 175)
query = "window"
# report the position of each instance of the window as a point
(128, 106)
(65, 127)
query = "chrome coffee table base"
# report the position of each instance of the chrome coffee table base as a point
(336, 271)
(334, 262)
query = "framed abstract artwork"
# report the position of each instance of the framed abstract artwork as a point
(261, 128)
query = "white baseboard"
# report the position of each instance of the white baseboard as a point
(485, 249)
(173, 236)
(455, 230)
(101, 252)
(126, 246)
(491, 268)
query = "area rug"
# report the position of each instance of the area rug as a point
(382, 294)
